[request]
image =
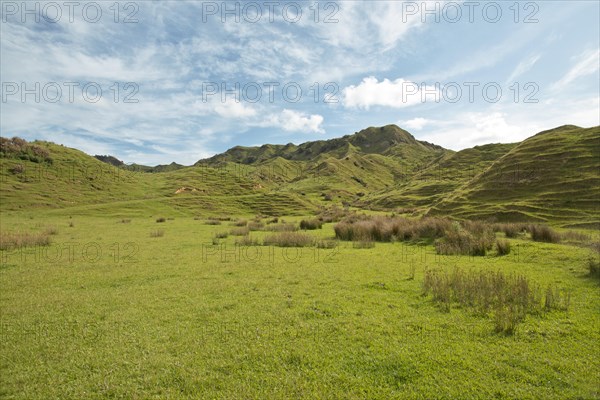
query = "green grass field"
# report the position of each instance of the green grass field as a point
(109, 311)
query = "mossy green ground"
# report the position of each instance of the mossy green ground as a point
(107, 311)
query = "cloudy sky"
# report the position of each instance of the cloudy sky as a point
(155, 82)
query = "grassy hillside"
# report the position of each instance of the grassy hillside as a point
(74, 182)
(553, 176)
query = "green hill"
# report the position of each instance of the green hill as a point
(552, 176)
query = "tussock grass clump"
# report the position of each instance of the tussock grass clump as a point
(212, 222)
(334, 214)
(255, 225)
(593, 262)
(311, 224)
(508, 298)
(161, 219)
(594, 267)
(389, 229)
(241, 231)
(157, 233)
(326, 244)
(220, 218)
(502, 247)
(543, 233)
(16, 240)
(125, 221)
(247, 241)
(574, 236)
(221, 235)
(283, 227)
(469, 238)
(289, 239)
(241, 222)
(510, 230)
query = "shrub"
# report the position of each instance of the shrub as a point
(509, 230)
(508, 297)
(543, 233)
(273, 220)
(157, 233)
(125, 221)
(10, 241)
(255, 226)
(241, 231)
(247, 241)
(289, 239)
(311, 224)
(283, 227)
(326, 244)
(71, 224)
(506, 319)
(17, 169)
(389, 229)
(556, 299)
(220, 218)
(161, 219)
(221, 235)
(575, 236)
(503, 247)
(475, 240)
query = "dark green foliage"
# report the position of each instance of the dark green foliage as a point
(21, 149)
(311, 224)
(543, 233)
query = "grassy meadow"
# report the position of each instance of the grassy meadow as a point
(335, 269)
(128, 307)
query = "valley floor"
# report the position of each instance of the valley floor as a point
(118, 308)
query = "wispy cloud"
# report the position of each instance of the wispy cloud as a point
(372, 53)
(587, 63)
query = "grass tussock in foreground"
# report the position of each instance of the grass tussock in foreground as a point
(16, 240)
(474, 238)
(289, 239)
(389, 229)
(507, 298)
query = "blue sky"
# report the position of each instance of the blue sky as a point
(456, 74)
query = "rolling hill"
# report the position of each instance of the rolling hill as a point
(552, 176)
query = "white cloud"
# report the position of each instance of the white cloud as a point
(397, 94)
(523, 67)
(587, 63)
(234, 109)
(415, 124)
(294, 121)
